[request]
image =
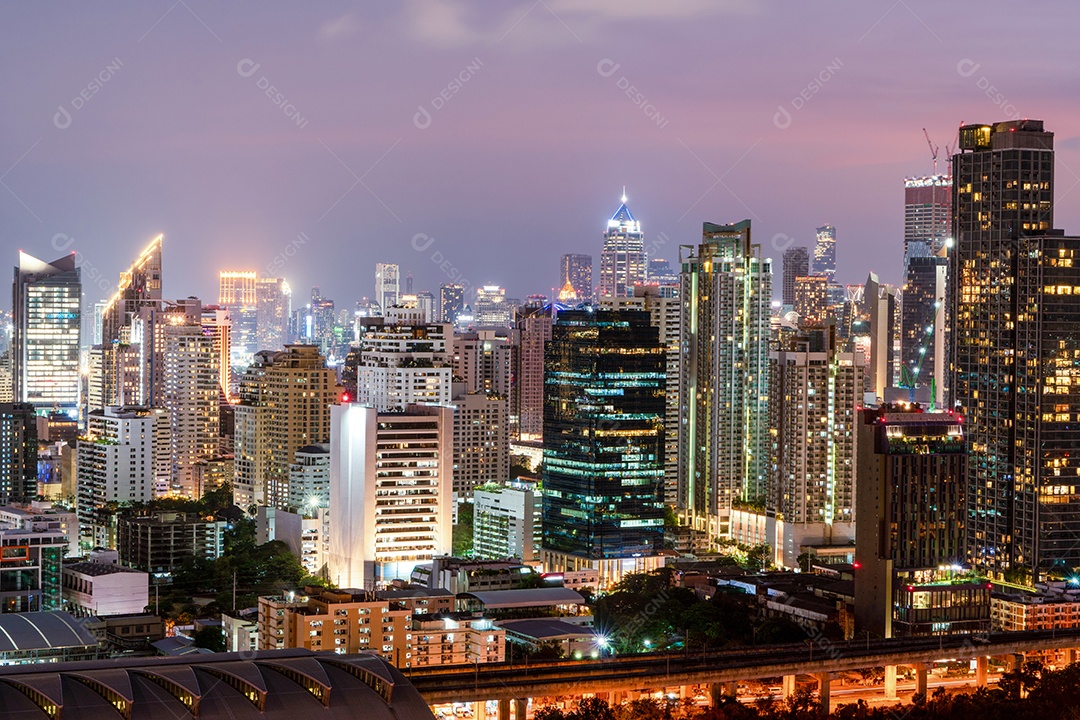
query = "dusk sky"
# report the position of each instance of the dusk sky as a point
(504, 131)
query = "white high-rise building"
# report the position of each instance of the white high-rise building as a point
(387, 285)
(623, 259)
(124, 456)
(492, 309)
(309, 479)
(507, 522)
(391, 491)
(405, 364)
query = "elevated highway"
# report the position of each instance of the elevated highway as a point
(724, 668)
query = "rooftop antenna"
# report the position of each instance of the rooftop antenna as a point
(624, 194)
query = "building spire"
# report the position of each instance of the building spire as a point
(624, 194)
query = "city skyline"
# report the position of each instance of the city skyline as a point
(265, 181)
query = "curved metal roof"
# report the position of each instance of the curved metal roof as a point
(286, 684)
(42, 630)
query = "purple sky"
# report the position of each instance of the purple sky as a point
(526, 159)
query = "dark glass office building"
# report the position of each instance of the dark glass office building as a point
(604, 382)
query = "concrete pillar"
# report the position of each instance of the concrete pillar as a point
(1014, 661)
(981, 666)
(1070, 656)
(479, 710)
(504, 710)
(731, 689)
(921, 685)
(823, 690)
(616, 698)
(521, 705)
(789, 686)
(890, 682)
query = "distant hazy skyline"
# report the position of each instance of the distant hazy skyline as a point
(483, 140)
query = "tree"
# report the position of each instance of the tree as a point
(210, 638)
(462, 536)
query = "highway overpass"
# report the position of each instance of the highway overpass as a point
(722, 669)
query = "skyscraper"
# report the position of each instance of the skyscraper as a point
(18, 452)
(387, 285)
(881, 304)
(812, 299)
(391, 480)
(402, 364)
(238, 293)
(451, 301)
(1015, 344)
(814, 394)
(533, 331)
(923, 325)
(492, 309)
(927, 215)
(796, 264)
(825, 252)
(603, 442)
(577, 271)
(139, 286)
(724, 442)
(191, 395)
(622, 262)
(910, 532)
(273, 299)
(47, 323)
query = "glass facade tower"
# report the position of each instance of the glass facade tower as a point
(604, 375)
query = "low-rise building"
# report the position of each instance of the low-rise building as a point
(160, 542)
(30, 570)
(91, 588)
(507, 521)
(455, 639)
(42, 516)
(458, 575)
(241, 630)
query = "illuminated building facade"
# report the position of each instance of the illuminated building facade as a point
(909, 546)
(603, 467)
(577, 271)
(927, 215)
(814, 394)
(451, 302)
(825, 252)
(402, 364)
(796, 265)
(623, 260)
(237, 293)
(533, 331)
(391, 490)
(882, 305)
(1015, 349)
(492, 308)
(273, 300)
(18, 452)
(47, 310)
(191, 395)
(387, 285)
(724, 440)
(139, 286)
(812, 299)
(923, 325)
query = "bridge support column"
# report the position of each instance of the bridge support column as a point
(921, 684)
(1070, 656)
(504, 710)
(890, 682)
(479, 709)
(982, 664)
(521, 705)
(718, 691)
(1014, 661)
(617, 698)
(824, 686)
(789, 686)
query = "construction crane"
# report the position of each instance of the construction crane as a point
(933, 149)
